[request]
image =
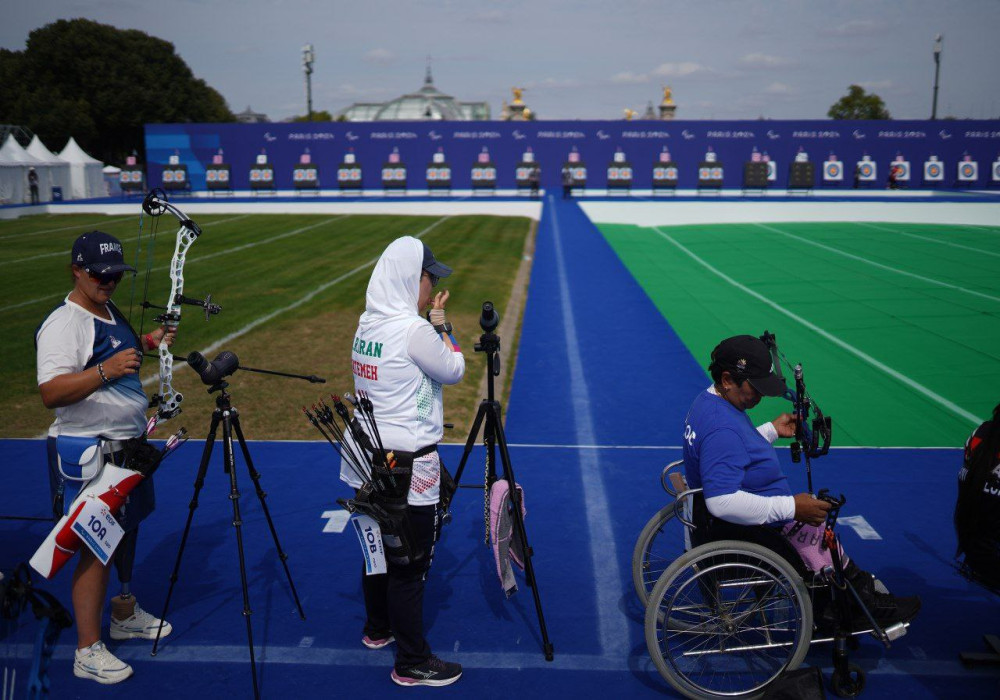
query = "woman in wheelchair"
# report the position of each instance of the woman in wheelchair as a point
(745, 495)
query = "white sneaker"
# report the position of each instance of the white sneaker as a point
(98, 664)
(141, 625)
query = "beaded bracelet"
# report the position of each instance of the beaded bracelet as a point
(100, 371)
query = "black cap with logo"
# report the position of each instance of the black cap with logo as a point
(431, 264)
(747, 357)
(99, 253)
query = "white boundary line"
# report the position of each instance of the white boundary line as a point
(928, 238)
(196, 259)
(64, 228)
(176, 652)
(903, 379)
(878, 265)
(63, 252)
(545, 446)
(614, 632)
(267, 317)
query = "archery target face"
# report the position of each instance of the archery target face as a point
(968, 171)
(833, 170)
(933, 171)
(393, 174)
(349, 174)
(772, 171)
(996, 171)
(866, 170)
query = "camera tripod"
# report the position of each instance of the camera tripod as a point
(489, 417)
(229, 417)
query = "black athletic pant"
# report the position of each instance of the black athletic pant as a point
(769, 537)
(394, 601)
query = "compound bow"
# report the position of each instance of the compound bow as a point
(812, 437)
(167, 400)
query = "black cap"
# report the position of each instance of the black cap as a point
(747, 357)
(99, 253)
(432, 266)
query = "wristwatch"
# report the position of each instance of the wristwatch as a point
(445, 327)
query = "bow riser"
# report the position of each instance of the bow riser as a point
(167, 401)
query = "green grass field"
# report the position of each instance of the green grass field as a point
(291, 288)
(898, 325)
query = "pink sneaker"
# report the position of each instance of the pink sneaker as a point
(377, 643)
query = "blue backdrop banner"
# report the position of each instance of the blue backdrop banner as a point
(937, 154)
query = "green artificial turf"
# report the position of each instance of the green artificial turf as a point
(938, 326)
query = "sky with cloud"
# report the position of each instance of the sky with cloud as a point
(576, 59)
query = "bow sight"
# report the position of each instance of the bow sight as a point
(812, 437)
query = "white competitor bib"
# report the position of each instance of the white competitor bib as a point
(370, 535)
(98, 529)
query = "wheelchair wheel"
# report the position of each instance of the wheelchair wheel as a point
(726, 619)
(660, 543)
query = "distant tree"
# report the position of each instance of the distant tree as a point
(320, 116)
(858, 104)
(100, 84)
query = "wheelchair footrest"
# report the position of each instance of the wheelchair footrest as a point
(894, 632)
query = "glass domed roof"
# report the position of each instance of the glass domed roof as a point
(426, 103)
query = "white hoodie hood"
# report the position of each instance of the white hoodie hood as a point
(395, 282)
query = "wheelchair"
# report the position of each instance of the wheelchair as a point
(727, 618)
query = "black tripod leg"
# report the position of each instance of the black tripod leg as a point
(471, 442)
(234, 496)
(199, 481)
(261, 496)
(493, 421)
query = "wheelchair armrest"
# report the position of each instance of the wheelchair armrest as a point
(676, 479)
(679, 513)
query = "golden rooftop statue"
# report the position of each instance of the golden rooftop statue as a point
(667, 96)
(518, 92)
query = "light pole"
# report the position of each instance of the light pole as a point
(308, 56)
(937, 71)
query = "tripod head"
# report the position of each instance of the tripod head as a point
(489, 342)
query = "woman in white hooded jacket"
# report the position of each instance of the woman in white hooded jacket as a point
(400, 359)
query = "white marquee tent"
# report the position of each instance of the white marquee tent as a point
(86, 176)
(112, 180)
(14, 164)
(55, 173)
